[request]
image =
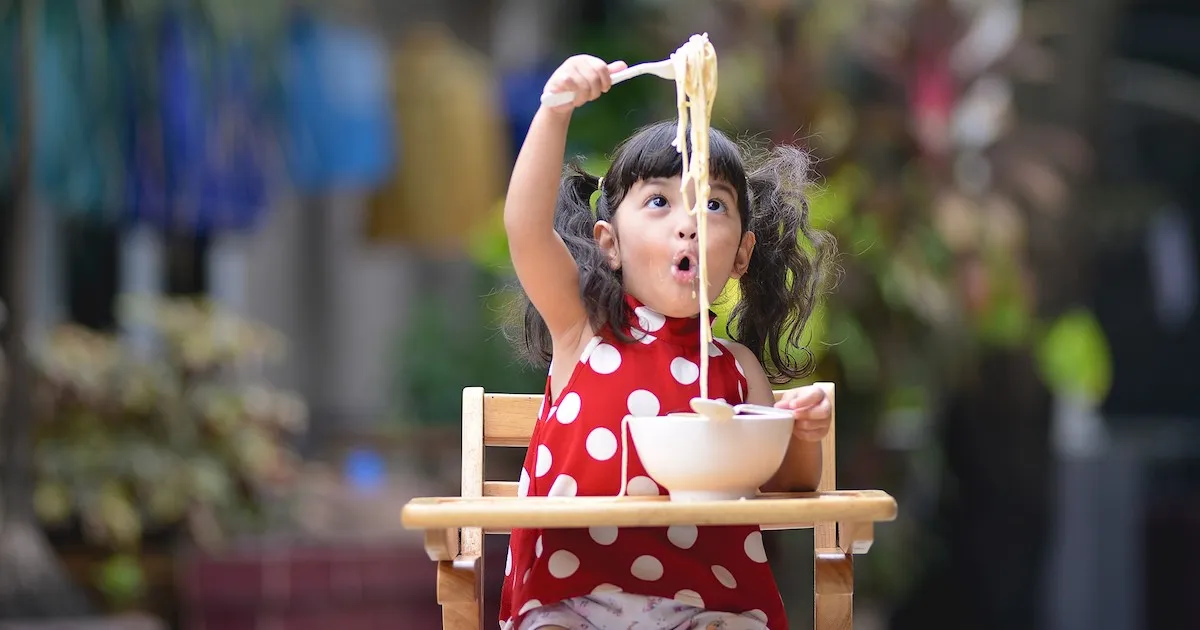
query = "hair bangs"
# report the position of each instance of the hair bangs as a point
(650, 154)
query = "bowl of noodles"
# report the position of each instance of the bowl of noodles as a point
(699, 459)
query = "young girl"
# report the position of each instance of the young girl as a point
(612, 306)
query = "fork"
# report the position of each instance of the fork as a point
(664, 69)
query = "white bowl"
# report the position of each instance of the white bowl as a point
(697, 459)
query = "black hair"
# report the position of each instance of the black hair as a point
(785, 277)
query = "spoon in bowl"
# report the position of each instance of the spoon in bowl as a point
(722, 411)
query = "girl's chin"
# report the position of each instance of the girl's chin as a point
(680, 303)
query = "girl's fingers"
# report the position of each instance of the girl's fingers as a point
(582, 89)
(603, 76)
(820, 411)
(802, 398)
(810, 430)
(616, 66)
(595, 80)
(810, 436)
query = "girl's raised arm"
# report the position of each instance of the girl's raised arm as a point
(545, 268)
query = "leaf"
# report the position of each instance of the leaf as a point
(834, 204)
(52, 502)
(852, 345)
(812, 339)
(121, 579)
(210, 481)
(488, 242)
(1074, 357)
(121, 523)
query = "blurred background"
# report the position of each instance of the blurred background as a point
(252, 252)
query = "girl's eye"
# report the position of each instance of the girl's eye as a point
(657, 201)
(715, 205)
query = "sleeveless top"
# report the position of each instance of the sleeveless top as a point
(575, 450)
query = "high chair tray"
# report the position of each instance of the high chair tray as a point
(505, 513)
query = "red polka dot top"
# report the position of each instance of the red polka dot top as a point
(575, 450)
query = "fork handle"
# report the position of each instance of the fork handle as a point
(554, 99)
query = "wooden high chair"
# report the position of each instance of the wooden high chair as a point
(454, 526)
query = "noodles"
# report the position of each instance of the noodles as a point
(695, 87)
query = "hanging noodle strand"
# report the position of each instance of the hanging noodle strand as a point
(695, 88)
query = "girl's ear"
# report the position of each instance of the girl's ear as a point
(741, 262)
(606, 237)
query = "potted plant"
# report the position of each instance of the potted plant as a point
(135, 455)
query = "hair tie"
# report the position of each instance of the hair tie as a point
(600, 185)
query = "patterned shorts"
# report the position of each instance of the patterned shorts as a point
(624, 611)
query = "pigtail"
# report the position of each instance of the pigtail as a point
(600, 286)
(786, 276)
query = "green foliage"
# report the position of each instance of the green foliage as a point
(599, 125)
(126, 444)
(1074, 357)
(443, 350)
(121, 580)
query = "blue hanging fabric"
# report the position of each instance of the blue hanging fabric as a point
(9, 95)
(77, 151)
(337, 95)
(521, 92)
(201, 161)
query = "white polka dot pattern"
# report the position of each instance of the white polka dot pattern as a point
(563, 486)
(648, 320)
(683, 536)
(568, 409)
(563, 564)
(754, 547)
(647, 568)
(575, 451)
(684, 371)
(642, 403)
(523, 484)
(601, 444)
(641, 486)
(605, 359)
(724, 576)
(544, 460)
(689, 597)
(603, 535)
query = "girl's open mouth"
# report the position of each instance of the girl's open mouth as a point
(684, 270)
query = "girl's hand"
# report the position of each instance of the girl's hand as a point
(587, 76)
(811, 410)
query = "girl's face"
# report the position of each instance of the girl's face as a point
(653, 241)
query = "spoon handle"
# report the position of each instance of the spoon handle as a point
(752, 408)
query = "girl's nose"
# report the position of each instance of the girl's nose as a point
(686, 227)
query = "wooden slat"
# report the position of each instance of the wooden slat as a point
(509, 418)
(509, 489)
(460, 593)
(499, 488)
(825, 534)
(471, 542)
(563, 512)
(833, 590)
(493, 531)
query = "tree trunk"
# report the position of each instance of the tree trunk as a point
(33, 582)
